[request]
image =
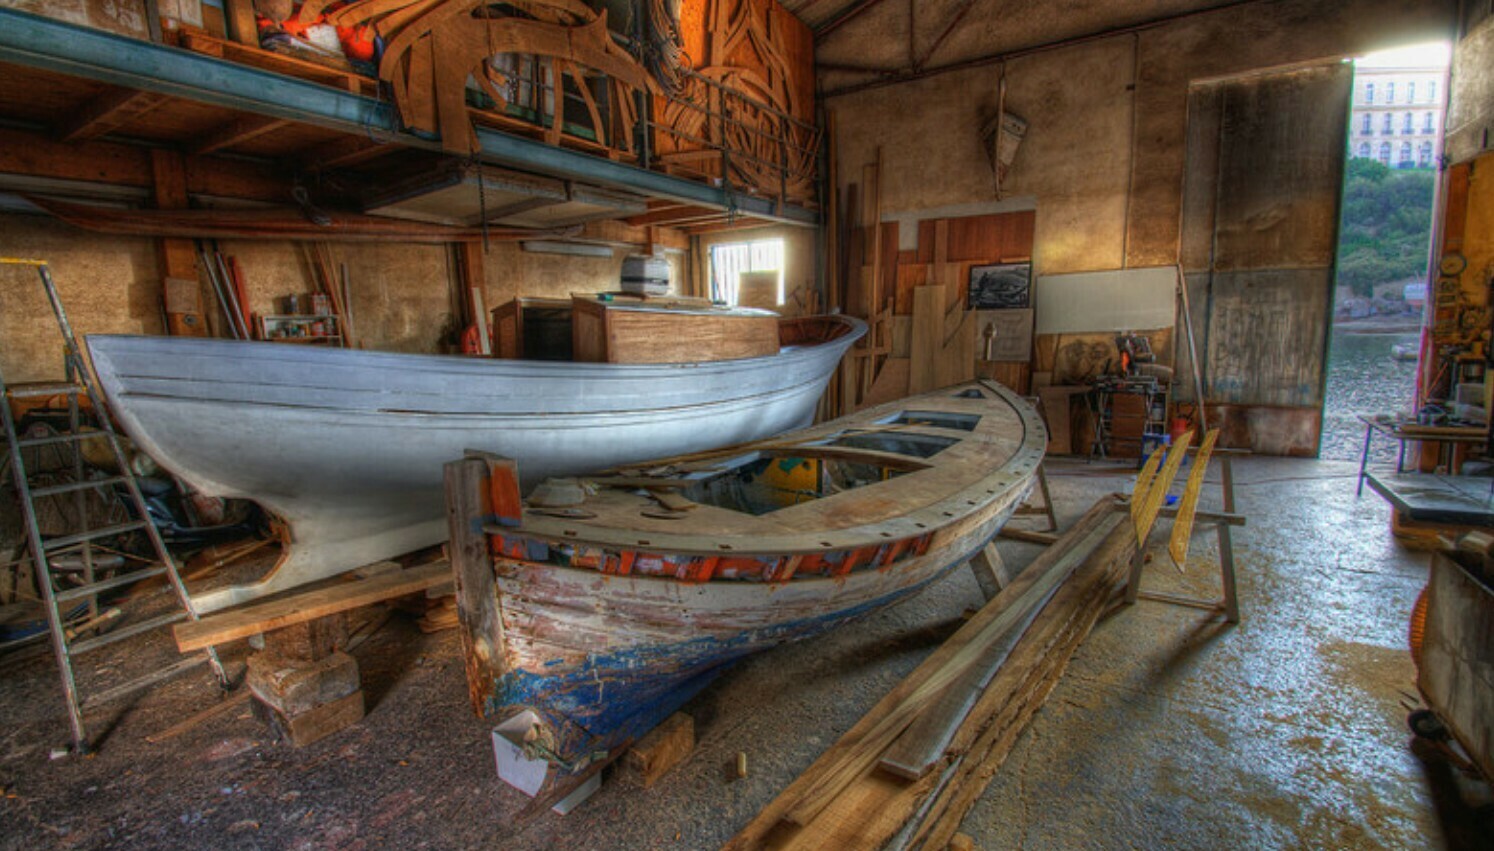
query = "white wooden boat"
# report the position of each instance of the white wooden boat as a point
(346, 447)
(603, 612)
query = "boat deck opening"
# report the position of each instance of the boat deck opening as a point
(762, 483)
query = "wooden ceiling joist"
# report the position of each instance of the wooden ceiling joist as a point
(739, 223)
(346, 152)
(670, 217)
(107, 112)
(237, 132)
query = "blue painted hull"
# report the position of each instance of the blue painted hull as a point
(607, 699)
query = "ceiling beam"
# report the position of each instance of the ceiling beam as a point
(1041, 47)
(236, 132)
(740, 223)
(346, 152)
(669, 216)
(844, 17)
(523, 206)
(105, 113)
(949, 28)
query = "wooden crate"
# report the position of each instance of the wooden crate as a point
(1457, 656)
(621, 332)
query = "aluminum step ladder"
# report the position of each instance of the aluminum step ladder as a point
(68, 643)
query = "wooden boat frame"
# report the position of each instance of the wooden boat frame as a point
(525, 558)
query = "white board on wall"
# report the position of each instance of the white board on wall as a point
(1119, 300)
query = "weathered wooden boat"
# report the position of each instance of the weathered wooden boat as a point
(602, 606)
(346, 447)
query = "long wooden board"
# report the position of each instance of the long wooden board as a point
(308, 605)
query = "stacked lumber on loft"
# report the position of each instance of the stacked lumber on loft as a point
(913, 766)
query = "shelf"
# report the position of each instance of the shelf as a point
(32, 41)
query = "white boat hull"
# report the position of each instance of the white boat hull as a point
(347, 447)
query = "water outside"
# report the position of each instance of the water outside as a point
(1363, 377)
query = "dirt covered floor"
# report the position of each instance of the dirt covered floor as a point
(1169, 729)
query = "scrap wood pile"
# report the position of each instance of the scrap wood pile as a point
(907, 773)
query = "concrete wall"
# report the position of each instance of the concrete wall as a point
(1105, 148)
(401, 297)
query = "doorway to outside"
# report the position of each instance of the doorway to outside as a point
(1385, 232)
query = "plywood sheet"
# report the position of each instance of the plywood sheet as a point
(1282, 143)
(1268, 336)
(1004, 335)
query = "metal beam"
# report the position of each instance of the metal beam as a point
(37, 42)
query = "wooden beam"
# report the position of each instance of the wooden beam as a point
(106, 113)
(523, 206)
(670, 215)
(35, 154)
(236, 132)
(740, 224)
(305, 606)
(344, 153)
(469, 503)
(954, 21)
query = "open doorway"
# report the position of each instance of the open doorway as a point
(1385, 232)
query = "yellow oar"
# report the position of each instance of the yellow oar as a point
(1182, 527)
(1152, 505)
(1144, 481)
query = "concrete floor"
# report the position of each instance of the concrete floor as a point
(1168, 729)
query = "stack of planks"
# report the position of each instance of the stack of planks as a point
(911, 768)
(922, 334)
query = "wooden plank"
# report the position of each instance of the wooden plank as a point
(867, 815)
(661, 749)
(241, 24)
(923, 743)
(304, 606)
(1029, 537)
(930, 679)
(927, 347)
(1182, 527)
(106, 113)
(469, 502)
(236, 132)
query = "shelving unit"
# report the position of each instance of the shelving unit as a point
(299, 328)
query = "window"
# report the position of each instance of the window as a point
(729, 261)
(1405, 156)
(1427, 126)
(1407, 125)
(1432, 92)
(1411, 92)
(1369, 92)
(1390, 92)
(1368, 128)
(1364, 150)
(1424, 155)
(1385, 153)
(1385, 126)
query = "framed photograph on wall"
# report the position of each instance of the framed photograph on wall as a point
(1001, 286)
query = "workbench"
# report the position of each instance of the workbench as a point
(1437, 498)
(1406, 430)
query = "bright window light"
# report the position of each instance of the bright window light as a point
(730, 259)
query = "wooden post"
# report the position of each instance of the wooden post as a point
(469, 505)
(178, 259)
(990, 571)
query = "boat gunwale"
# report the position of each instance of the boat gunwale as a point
(491, 367)
(978, 497)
